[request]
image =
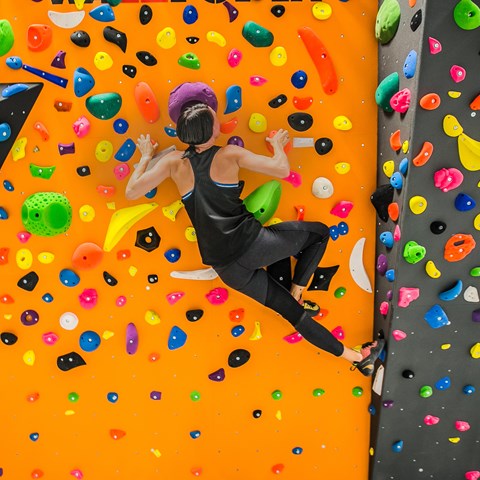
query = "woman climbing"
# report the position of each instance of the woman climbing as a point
(230, 239)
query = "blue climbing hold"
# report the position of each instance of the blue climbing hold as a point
(410, 65)
(299, 79)
(297, 450)
(397, 447)
(390, 275)
(195, 434)
(371, 409)
(396, 181)
(15, 63)
(468, 389)
(3, 214)
(177, 338)
(171, 132)
(47, 298)
(8, 186)
(464, 202)
(103, 13)
(5, 132)
(13, 89)
(342, 228)
(83, 81)
(387, 239)
(69, 278)
(403, 166)
(452, 292)
(234, 99)
(120, 125)
(151, 193)
(190, 14)
(237, 330)
(436, 317)
(334, 232)
(89, 341)
(112, 397)
(172, 255)
(34, 436)
(126, 151)
(443, 383)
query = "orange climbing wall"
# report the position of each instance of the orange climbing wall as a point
(297, 436)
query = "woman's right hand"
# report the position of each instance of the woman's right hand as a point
(146, 146)
(280, 139)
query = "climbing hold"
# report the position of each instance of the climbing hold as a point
(413, 252)
(147, 102)
(302, 103)
(174, 297)
(357, 268)
(29, 318)
(83, 82)
(462, 426)
(426, 391)
(342, 123)
(342, 209)
(471, 294)
(443, 384)
(217, 296)
(126, 151)
(388, 168)
(190, 14)
(89, 341)
(257, 123)
(117, 434)
(215, 37)
(29, 358)
(432, 270)
(238, 357)
(166, 38)
(386, 89)
(464, 202)
(436, 317)
(467, 15)
(431, 101)
(278, 11)
(323, 145)
(416, 20)
(322, 11)
(437, 227)
(103, 13)
(458, 73)
(447, 179)
(232, 11)
(397, 447)
(131, 339)
(80, 38)
(430, 420)
(418, 204)
(148, 239)
(103, 61)
(475, 351)
(357, 391)
(300, 121)
(468, 389)
(299, 79)
(321, 59)
(104, 105)
(234, 57)
(177, 338)
(256, 334)
(406, 295)
(264, 200)
(39, 37)
(257, 35)
(278, 56)
(59, 60)
(194, 315)
(234, 99)
(145, 14)
(400, 101)
(189, 60)
(129, 70)
(396, 181)
(146, 58)
(7, 38)
(458, 247)
(410, 65)
(8, 338)
(424, 155)
(81, 126)
(322, 277)
(322, 188)
(387, 21)
(69, 361)
(68, 321)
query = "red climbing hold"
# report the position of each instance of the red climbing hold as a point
(147, 102)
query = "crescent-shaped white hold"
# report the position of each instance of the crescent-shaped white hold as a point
(203, 274)
(66, 19)
(357, 269)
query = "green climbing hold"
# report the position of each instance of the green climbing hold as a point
(41, 172)
(114, 3)
(426, 391)
(189, 60)
(475, 272)
(264, 200)
(46, 214)
(467, 15)
(104, 105)
(277, 395)
(73, 397)
(257, 35)
(387, 88)
(413, 252)
(357, 391)
(388, 19)
(195, 396)
(340, 292)
(6, 37)
(318, 392)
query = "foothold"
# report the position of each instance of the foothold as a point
(146, 58)
(436, 317)
(80, 38)
(458, 73)
(397, 447)
(426, 391)
(475, 351)
(430, 420)
(432, 270)
(8, 186)
(189, 60)
(257, 35)
(148, 239)
(215, 37)
(257, 80)
(342, 123)
(59, 60)
(430, 101)
(342, 209)
(234, 99)
(299, 79)
(464, 202)
(321, 11)
(117, 434)
(145, 14)
(390, 275)
(381, 199)
(424, 155)
(8, 338)
(471, 294)
(408, 374)
(29, 358)
(190, 14)
(462, 426)
(217, 296)
(468, 389)
(89, 341)
(237, 330)
(15, 63)
(443, 384)
(103, 13)
(129, 70)
(39, 37)
(83, 82)
(7, 37)
(387, 21)
(177, 338)
(131, 339)
(416, 20)
(121, 171)
(172, 255)
(238, 142)
(278, 56)
(174, 297)
(438, 227)
(234, 57)
(69, 361)
(357, 392)
(400, 102)
(388, 87)
(413, 252)
(410, 64)
(68, 321)
(238, 357)
(458, 247)
(435, 45)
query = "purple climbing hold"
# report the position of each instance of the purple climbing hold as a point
(131, 339)
(476, 316)
(59, 60)
(232, 11)
(218, 375)
(29, 318)
(236, 141)
(382, 264)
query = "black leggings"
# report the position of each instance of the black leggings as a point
(306, 241)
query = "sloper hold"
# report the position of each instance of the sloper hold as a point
(28, 282)
(278, 101)
(69, 361)
(145, 15)
(238, 357)
(323, 145)
(80, 38)
(194, 315)
(257, 35)
(387, 21)
(7, 38)
(300, 121)
(381, 199)
(146, 58)
(116, 37)
(177, 338)
(104, 106)
(322, 277)
(103, 13)
(436, 317)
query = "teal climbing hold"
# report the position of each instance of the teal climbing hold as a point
(104, 105)
(264, 200)
(387, 21)
(6, 37)
(436, 317)
(386, 89)
(46, 214)
(466, 15)
(257, 35)
(177, 338)
(189, 60)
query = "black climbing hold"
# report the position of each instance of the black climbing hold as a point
(281, 271)
(83, 171)
(116, 37)
(323, 145)
(145, 14)
(218, 375)
(70, 360)
(152, 278)
(408, 374)
(257, 413)
(416, 20)
(28, 282)
(300, 121)
(8, 338)
(194, 315)
(146, 58)
(278, 101)
(80, 38)
(148, 239)
(130, 70)
(438, 227)
(278, 10)
(322, 277)
(192, 40)
(381, 198)
(109, 279)
(238, 358)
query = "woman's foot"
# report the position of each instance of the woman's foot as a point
(370, 351)
(310, 307)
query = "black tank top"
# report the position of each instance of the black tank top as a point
(224, 227)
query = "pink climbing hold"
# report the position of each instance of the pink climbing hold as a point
(234, 57)
(24, 237)
(384, 308)
(400, 102)
(447, 179)
(406, 295)
(338, 333)
(472, 475)
(217, 296)
(50, 338)
(121, 301)
(121, 171)
(257, 80)
(174, 297)
(342, 209)
(397, 233)
(78, 474)
(435, 45)
(399, 335)
(294, 178)
(293, 338)
(462, 426)
(430, 420)
(88, 298)
(458, 73)
(81, 127)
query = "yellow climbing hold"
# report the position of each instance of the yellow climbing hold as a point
(278, 56)
(24, 258)
(152, 317)
(86, 213)
(257, 334)
(342, 123)
(476, 222)
(278, 415)
(107, 334)
(451, 126)
(132, 270)
(432, 270)
(29, 358)
(69, 413)
(388, 168)
(8, 316)
(156, 452)
(342, 168)
(257, 123)
(322, 11)
(371, 451)
(453, 94)
(103, 151)
(469, 152)
(166, 38)
(418, 204)
(111, 205)
(79, 4)
(170, 211)
(454, 439)
(46, 257)
(103, 61)
(446, 346)
(190, 234)
(475, 351)
(18, 149)
(274, 221)
(405, 146)
(217, 38)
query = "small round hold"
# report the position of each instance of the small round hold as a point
(29, 318)
(238, 358)
(257, 413)
(192, 40)
(278, 101)
(146, 58)
(155, 395)
(172, 255)
(47, 298)
(89, 341)
(129, 70)
(195, 434)
(300, 121)
(194, 315)
(299, 79)
(145, 15)
(323, 145)
(238, 330)
(238, 141)
(297, 450)
(278, 10)
(68, 321)
(8, 338)
(80, 38)
(152, 278)
(467, 389)
(438, 227)
(109, 279)
(190, 14)
(112, 397)
(8, 186)
(83, 171)
(120, 125)
(408, 374)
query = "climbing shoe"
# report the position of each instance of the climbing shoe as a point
(370, 352)
(311, 308)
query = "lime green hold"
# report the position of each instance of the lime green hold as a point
(277, 395)
(426, 391)
(357, 391)
(387, 88)
(189, 60)
(257, 35)
(46, 214)
(388, 19)
(6, 37)
(340, 292)
(475, 272)
(318, 392)
(104, 105)
(264, 200)
(41, 172)
(413, 252)
(195, 396)
(73, 397)
(467, 15)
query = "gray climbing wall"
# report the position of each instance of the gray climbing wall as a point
(432, 340)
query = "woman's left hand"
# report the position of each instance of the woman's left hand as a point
(146, 146)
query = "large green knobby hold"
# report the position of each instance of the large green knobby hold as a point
(6, 37)
(467, 15)
(104, 105)
(413, 252)
(264, 200)
(257, 35)
(46, 214)
(387, 88)
(189, 60)
(388, 19)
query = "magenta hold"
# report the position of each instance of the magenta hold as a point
(88, 298)
(174, 297)
(342, 209)
(384, 308)
(121, 301)
(447, 179)
(458, 73)
(338, 333)
(293, 338)
(234, 57)
(462, 426)
(430, 420)
(217, 296)
(406, 295)
(78, 474)
(131, 339)
(81, 127)
(294, 178)
(399, 335)
(397, 234)
(400, 102)
(24, 237)
(50, 338)
(257, 80)
(121, 171)
(389, 295)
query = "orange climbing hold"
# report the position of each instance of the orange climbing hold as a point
(117, 434)
(4, 251)
(412, 3)
(393, 211)
(395, 142)
(286, 148)
(86, 256)
(430, 101)
(302, 103)
(39, 37)
(237, 315)
(321, 59)
(230, 126)
(6, 299)
(475, 105)
(106, 191)
(42, 130)
(300, 212)
(458, 247)
(146, 102)
(424, 156)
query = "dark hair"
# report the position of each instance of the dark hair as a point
(194, 126)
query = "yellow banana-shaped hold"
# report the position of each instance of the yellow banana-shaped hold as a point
(257, 334)
(432, 270)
